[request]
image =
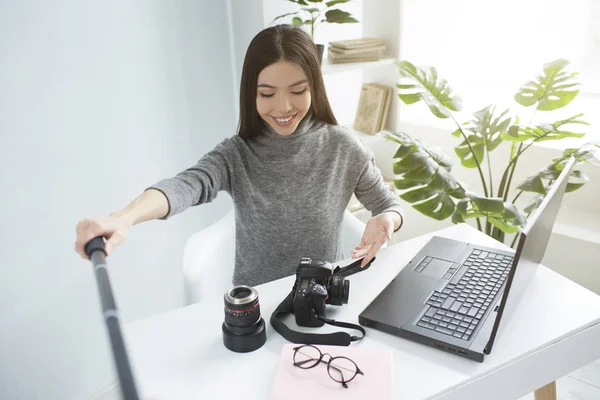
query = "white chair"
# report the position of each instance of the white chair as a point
(209, 256)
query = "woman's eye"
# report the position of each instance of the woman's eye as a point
(266, 95)
(300, 92)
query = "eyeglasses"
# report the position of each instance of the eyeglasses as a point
(340, 369)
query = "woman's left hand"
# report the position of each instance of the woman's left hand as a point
(379, 229)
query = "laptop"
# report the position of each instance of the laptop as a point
(457, 296)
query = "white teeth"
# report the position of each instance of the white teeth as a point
(283, 121)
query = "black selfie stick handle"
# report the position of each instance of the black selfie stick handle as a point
(95, 251)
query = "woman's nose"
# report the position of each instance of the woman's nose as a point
(284, 104)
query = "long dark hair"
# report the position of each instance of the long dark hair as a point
(273, 44)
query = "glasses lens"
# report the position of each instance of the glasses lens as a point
(307, 357)
(342, 369)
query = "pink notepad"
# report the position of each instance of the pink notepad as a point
(293, 383)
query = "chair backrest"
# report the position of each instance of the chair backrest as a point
(209, 256)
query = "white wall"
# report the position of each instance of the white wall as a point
(97, 101)
(246, 21)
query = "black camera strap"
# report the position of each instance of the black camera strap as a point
(336, 338)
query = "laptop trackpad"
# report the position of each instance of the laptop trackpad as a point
(436, 267)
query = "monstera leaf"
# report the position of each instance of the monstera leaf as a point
(503, 215)
(434, 91)
(425, 176)
(483, 134)
(554, 89)
(541, 182)
(544, 132)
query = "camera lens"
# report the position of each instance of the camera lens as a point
(339, 290)
(241, 307)
(241, 293)
(243, 329)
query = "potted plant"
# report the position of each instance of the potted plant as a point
(313, 13)
(424, 175)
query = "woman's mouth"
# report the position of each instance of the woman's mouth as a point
(284, 121)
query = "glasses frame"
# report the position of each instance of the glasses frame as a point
(301, 364)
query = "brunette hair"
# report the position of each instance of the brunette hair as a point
(273, 44)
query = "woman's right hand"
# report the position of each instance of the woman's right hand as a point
(113, 227)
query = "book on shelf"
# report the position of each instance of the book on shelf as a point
(386, 105)
(373, 108)
(355, 50)
(357, 43)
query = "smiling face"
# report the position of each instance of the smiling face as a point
(283, 96)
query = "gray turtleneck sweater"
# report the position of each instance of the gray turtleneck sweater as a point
(289, 194)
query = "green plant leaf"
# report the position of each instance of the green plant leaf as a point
(588, 153)
(315, 1)
(544, 132)
(535, 203)
(554, 89)
(533, 184)
(285, 15)
(297, 21)
(301, 2)
(503, 215)
(541, 182)
(576, 180)
(434, 91)
(486, 129)
(487, 204)
(339, 17)
(334, 2)
(424, 175)
(513, 150)
(503, 225)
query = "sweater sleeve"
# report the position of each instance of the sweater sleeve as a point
(198, 184)
(374, 193)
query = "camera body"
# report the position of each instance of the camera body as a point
(315, 286)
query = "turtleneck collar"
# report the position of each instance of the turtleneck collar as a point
(307, 124)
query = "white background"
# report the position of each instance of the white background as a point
(97, 101)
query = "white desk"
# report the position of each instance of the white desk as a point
(556, 330)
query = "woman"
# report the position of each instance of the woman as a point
(291, 171)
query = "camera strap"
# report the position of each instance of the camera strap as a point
(336, 338)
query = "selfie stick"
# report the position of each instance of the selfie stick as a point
(95, 251)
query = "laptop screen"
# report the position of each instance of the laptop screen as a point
(532, 246)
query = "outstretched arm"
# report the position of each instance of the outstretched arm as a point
(387, 218)
(198, 184)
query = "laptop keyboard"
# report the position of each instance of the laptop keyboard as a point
(459, 307)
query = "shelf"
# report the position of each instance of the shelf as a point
(329, 68)
(366, 137)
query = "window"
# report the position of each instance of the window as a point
(486, 50)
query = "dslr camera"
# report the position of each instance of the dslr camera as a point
(315, 286)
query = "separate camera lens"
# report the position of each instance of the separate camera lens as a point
(241, 293)
(243, 329)
(339, 290)
(241, 307)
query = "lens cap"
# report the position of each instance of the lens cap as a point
(244, 343)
